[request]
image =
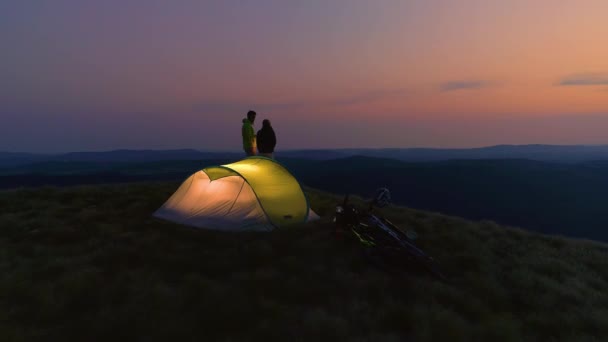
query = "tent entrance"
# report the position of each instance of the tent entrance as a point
(234, 205)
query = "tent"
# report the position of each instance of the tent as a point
(254, 194)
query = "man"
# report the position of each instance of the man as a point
(249, 143)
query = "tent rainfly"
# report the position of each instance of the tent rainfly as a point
(254, 194)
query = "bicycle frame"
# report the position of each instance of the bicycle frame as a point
(406, 244)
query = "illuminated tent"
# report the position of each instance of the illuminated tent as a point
(256, 193)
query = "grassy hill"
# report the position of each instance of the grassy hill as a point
(90, 263)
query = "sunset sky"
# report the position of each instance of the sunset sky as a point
(100, 75)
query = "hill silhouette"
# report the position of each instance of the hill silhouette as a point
(90, 263)
(554, 153)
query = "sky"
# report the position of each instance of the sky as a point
(145, 74)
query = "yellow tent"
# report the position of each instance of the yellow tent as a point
(256, 193)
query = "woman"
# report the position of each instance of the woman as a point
(266, 140)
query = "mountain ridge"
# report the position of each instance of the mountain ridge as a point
(544, 152)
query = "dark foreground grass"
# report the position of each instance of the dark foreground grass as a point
(91, 264)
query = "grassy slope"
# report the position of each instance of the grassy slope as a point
(90, 263)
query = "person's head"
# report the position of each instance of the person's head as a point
(251, 116)
(266, 123)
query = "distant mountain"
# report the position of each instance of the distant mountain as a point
(8, 159)
(142, 155)
(555, 153)
(39, 161)
(559, 153)
(314, 154)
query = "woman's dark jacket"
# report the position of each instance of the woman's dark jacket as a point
(266, 140)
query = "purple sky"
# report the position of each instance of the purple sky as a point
(84, 75)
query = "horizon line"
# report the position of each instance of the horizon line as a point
(302, 149)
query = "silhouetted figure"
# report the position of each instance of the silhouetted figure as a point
(249, 143)
(266, 139)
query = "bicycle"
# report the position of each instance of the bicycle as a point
(383, 240)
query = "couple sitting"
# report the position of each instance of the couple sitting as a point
(263, 143)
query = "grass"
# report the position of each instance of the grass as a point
(91, 264)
